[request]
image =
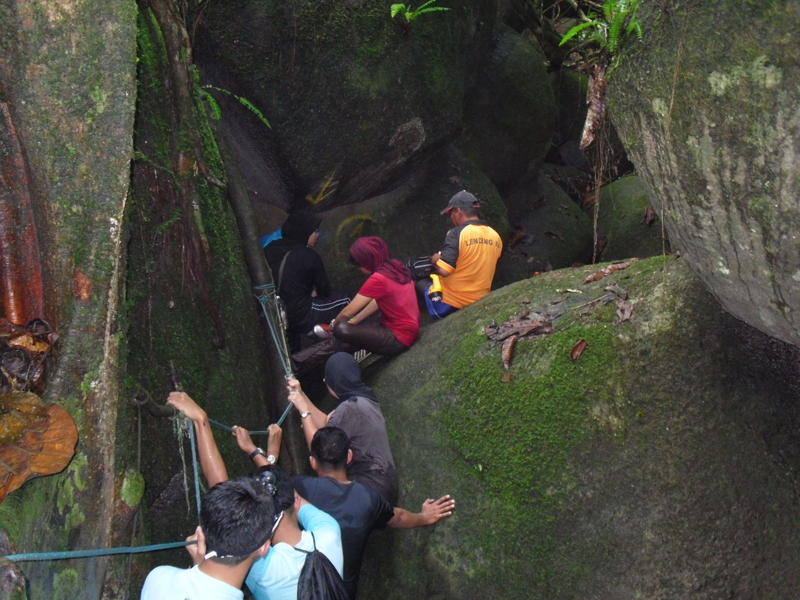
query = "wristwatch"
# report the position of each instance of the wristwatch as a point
(304, 414)
(255, 453)
(272, 459)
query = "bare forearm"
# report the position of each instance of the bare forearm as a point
(210, 459)
(365, 312)
(404, 519)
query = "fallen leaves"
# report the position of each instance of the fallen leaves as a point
(507, 353)
(578, 349)
(23, 355)
(649, 215)
(608, 270)
(526, 325)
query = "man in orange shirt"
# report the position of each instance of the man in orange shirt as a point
(468, 258)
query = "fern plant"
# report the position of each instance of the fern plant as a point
(409, 13)
(610, 29)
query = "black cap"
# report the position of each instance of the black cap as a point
(462, 199)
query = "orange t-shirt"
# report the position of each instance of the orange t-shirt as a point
(469, 256)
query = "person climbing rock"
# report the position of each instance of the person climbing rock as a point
(468, 259)
(298, 527)
(300, 277)
(236, 525)
(357, 508)
(360, 416)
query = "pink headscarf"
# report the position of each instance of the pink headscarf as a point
(372, 253)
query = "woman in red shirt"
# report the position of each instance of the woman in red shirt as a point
(388, 289)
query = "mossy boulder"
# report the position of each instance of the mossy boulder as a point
(352, 95)
(625, 223)
(510, 112)
(549, 230)
(653, 465)
(707, 106)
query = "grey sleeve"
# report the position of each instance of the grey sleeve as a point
(450, 248)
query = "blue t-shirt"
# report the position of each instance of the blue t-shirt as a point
(171, 583)
(274, 576)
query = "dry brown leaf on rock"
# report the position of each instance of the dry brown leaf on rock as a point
(507, 353)
(578, 349)
(649, 215)
(606, 271)
(624, 310)
(36, 439)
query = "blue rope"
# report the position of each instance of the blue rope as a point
(195, 466)
(228, 428)
(285, 414)
(96, 552)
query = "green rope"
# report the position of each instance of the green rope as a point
(229, 428)
(96, 552)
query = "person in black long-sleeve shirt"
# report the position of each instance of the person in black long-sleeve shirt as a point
(300, 277)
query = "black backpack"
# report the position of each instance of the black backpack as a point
(319, 579)
(420, 267)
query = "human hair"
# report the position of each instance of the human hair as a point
(471, 212)
(237, 517)
(372, 253)
(279, 485)
(329, 446)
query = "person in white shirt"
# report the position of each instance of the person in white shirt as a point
(237, 521)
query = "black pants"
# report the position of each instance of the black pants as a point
(370, 336)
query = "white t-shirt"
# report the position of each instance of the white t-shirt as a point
(171, 583)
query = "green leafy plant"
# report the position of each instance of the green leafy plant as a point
(610, 29)
(409, 14)
(216, 111)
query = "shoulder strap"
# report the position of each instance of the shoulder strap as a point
(280, 272)
(313, 541)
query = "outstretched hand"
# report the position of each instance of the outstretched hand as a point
(183, 402)
(436, 510)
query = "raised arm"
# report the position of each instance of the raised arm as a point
(210, 459)
(314, 418)
(432, 512)
(246, 445)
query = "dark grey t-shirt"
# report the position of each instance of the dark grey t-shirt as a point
(373, 464)
(358, 510)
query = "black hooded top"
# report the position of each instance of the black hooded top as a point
(360, 416)
(302, 272)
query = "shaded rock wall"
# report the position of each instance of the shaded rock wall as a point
(352, 95)
(708, 109)
(191, 304)
(647, 467)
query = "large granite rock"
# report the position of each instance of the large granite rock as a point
(510, 112)
(353, 96)
(709, 109)
(626, 223)
(549, 231)
(661, 463)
